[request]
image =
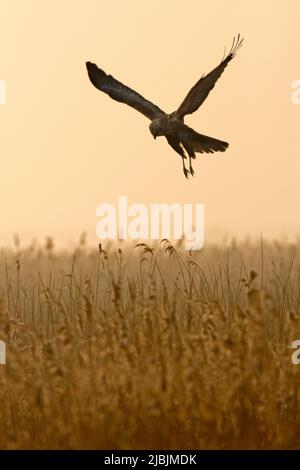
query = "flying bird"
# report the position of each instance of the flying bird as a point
(179, 136)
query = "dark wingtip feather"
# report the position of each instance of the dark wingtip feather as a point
(96, 75)
(236, 45)
(90, 66)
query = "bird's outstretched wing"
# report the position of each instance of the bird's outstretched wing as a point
(201, 89)
(120, 92)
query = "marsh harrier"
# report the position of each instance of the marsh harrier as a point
(179, 136)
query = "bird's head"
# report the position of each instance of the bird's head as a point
(156, 128)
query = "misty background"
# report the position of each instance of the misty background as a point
(66, 148)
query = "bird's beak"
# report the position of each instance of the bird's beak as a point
(154, 137)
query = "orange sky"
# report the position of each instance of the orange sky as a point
(65, 147)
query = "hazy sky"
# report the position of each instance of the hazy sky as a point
(66, 148)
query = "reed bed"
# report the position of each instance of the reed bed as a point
(148, 347)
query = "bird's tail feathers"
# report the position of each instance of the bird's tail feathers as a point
(205, 144)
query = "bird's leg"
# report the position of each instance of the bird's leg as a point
(189, 148)
(191, 168)
(175, 144)
(185, 170)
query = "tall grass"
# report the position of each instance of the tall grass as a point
(150, 347)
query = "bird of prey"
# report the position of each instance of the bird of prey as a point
(179, 136)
